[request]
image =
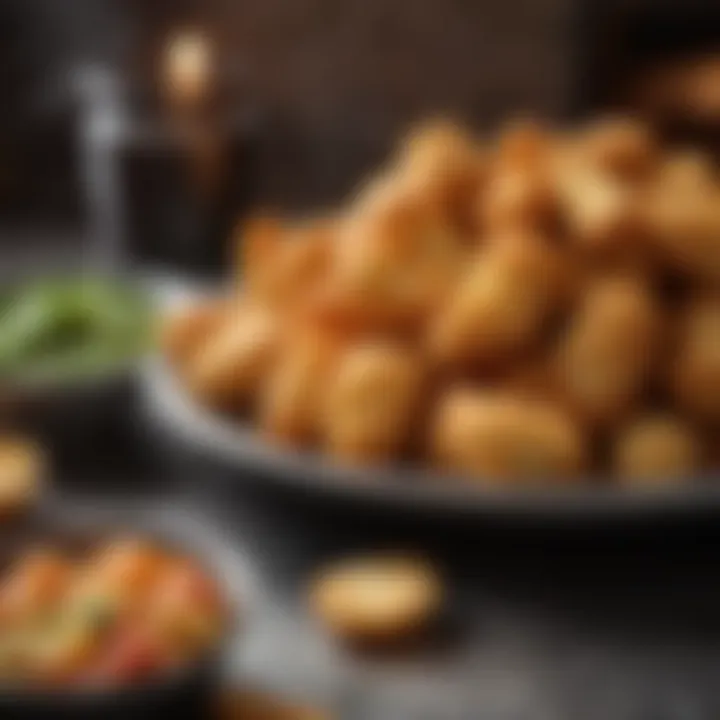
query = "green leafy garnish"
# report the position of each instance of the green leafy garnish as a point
(66, 328)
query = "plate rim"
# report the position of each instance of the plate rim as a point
(240, 446)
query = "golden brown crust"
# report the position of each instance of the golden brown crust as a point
(281, 263)
(657, 449)
(604, 361)
(227, 371)
(184, 331)
(500, 306)
(695, 372)
(498, 437)
(22, 467)
(377, 599)
(685, 231)
(623, 147)
(370, 403)
(291, 403)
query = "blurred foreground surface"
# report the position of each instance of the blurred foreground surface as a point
(544, 622)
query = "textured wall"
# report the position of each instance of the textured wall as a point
(346, 77)
(338, 79)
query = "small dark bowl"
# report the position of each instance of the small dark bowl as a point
(187, 693)
(83, 414)
(74, 420)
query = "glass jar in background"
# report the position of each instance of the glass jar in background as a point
(164, 184)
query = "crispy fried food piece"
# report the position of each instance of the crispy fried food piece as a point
(279, 264)
(257, 242)
(22, 466)
(656, 449)
(695, 372)
(371, 401)
(227, 371)
(525, 143)
(500, 437)
(604, 216)
(501, 303)
(519, 199)
(396, 259)
(687, 171)
(685, 230)
(381, 599)
(604, 361)
(520, 193)
(291, 405)
(623, 147)
(444, 165)
(186, 329)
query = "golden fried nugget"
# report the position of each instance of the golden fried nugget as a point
(393, 263)
(256, 241)
(22, 467)
(228, 370)
(280, 264)
(501, 303)
(519, 198)
(685, 231)
(695, 372)
(603, 215)
(656, 449)
(291, 403)
(500, 437)
(443, 163)
(377, 599)
(688, 171)
(371, 401)
(438, 145)
(525, 144)
(622, 147)
(185, 330)
(604, 361)
(519, 192)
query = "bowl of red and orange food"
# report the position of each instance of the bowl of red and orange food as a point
(125, 627)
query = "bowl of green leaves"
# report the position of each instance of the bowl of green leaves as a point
(66, 339)
(61, 331)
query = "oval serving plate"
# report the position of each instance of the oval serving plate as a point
(239, 448)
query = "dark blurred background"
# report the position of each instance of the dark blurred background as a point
(300, 99)
(315, 91)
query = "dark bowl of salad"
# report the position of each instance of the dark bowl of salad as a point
(109, 627)
(70, 346)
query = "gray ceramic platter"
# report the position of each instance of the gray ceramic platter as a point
(249, 457)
